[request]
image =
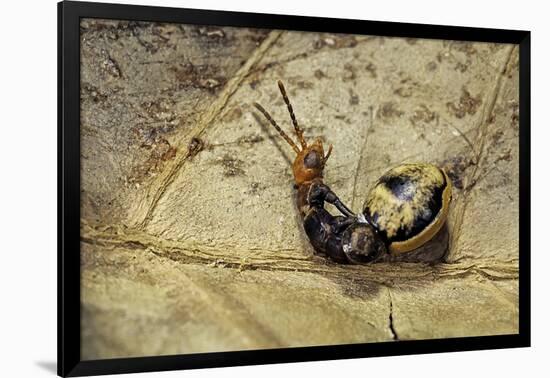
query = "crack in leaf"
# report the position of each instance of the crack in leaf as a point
(391, 320)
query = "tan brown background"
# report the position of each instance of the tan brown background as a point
(187, 250)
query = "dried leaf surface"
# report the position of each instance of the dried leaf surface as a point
(190, 238)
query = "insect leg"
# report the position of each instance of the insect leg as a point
(333, 199)
(321, 193)
(340, 223)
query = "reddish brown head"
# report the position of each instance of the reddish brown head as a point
(310, 162)
(310, 159)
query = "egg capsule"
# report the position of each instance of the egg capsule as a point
(408, 205)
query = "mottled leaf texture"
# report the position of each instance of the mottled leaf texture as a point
(190, 239)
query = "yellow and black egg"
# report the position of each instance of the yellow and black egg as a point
(408, 205)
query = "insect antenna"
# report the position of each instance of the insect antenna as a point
(299, 131)
(281, 132)
(328, 153)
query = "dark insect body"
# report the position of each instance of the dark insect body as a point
(405, 208)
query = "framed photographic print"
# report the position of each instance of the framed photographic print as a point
(239, 188)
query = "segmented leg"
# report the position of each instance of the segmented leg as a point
(321, 193)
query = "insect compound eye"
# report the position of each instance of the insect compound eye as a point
(361, 244)
(312, 160)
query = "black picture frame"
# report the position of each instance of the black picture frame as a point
(69, 341)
